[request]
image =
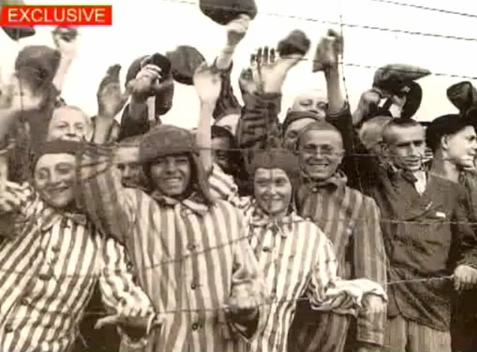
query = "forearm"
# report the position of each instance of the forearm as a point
(336, 100)
(63, 67)
(204, 135)
(225, 57)
(102, 129)
(102, 195)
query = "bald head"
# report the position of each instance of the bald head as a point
(69, 123)
(315, 100)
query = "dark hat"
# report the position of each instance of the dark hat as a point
(295, 43)
(225, 11)
(165, 140)
(18, 32)
(185, 60)
(462, 95)
(55, 147)
(293, 116)
(394, 77)
(445, 125)
(166, 94)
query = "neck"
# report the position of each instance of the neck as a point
(444, 168)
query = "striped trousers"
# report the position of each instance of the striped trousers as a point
(327, 334)
(404, 335)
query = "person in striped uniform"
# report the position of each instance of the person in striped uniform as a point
(351, 222)
(51, 259)
(296, 257)
(190, 251)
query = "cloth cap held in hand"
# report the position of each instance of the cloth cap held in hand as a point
(225, 11)
(185, 60)
(394, 77)
(165, 95)
(295, 43)
(276, 159)
(164, 140)
(462, 95)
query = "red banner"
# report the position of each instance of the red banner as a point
(52, 15)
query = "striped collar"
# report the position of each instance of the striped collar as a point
(193, 203)
(283, 226)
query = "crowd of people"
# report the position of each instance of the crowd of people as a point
(338, 229)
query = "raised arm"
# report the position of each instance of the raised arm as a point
(110, 206)
(65, 39)
(207, 84)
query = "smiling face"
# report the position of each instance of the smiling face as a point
(55, 179)
(273, 191)
(320, 153)
(314, 101)
(171, 174)
(68, 124)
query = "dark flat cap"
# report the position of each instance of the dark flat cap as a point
(225, 11)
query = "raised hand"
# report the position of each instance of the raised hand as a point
(368, 103)
(65, 39)
(250, 81)
(207, 83)
(237, 29)
(328, 51)
(147, 82)
(110, 97)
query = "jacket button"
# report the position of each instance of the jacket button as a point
(195, 326)
(191, 247)
(8, 328)
(24, 302)
(266, 249)
(193, 286)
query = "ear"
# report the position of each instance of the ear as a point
(444, 142)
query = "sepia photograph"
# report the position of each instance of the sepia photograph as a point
(238, 176)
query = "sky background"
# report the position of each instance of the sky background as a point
(146, 26)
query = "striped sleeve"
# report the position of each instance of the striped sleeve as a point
(118, 288)
(101, 194)
(324, 274)
(370, 263)
(248, 285)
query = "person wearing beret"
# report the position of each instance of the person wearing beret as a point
(453, 141)
(425, 218)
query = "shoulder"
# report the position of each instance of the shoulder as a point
(358, 199)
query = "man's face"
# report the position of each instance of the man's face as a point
(321, 153)
(312, 101)
(55, 179)
(229, 122)
(171, 174)
(293, 130)
(220, 147)
(68, 124)
(462, 147)
(130, 173)
(406, 147)
(273, 191)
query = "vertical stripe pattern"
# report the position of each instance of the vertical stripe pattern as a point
(297, 259)
(189, 264)
(351, 221)
(47, 276)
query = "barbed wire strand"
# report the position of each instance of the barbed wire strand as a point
(426, 8)
(335, 23)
